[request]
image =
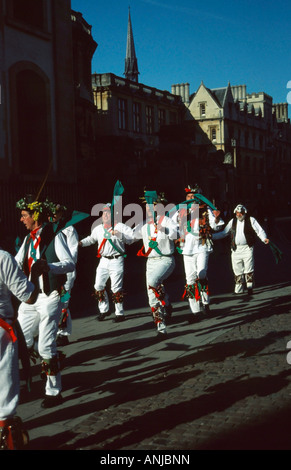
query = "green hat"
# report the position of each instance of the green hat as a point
(152, 197)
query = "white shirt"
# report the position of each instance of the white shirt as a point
(63, 266)
(98, 234)
(193, 241)
(163, 237)
(240, 238)
(12, 280)
(72, 238)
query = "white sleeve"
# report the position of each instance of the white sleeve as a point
(172, 227)
(91, 239)
(212, 223)
(258, 229)
(224, 233)
(126, 231)
(65, 263)
(138, 232)
(19, 257)
(72, 241)
(14, 279)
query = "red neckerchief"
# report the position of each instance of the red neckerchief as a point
(33, 247)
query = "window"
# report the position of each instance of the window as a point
(213, 133)
(149, 120)
(202, 110)
(173, 118)
(32, 117)
(162, 117)
(30, 12)
(136, 117)
(122, 114)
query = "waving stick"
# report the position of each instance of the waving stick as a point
(44, 180)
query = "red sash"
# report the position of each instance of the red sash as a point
(101, 245)
(9, 329)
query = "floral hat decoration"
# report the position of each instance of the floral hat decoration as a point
(54, 207)
(195, 189)
(152, 197)
(27, 203)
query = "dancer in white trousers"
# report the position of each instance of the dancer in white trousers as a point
(12, 281)
(42, 318)
(158, 235)
(196, 245)
(71, 237)
(243, 231)
(111, 251)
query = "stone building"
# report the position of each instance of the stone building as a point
(37, 89)
(45, 86)
(131, 122)
(249, 140)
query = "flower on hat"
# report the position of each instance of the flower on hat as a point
(36, 207)
(193, 189)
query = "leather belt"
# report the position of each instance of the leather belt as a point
(111, 257)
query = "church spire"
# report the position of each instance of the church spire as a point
(131, 70)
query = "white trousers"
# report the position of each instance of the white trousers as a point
(196, 268)
(9, 376)
(243, 265)
(112, 269)
(67, 331)
(42, 319)
(158, 269)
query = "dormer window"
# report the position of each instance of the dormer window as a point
(213, 134)
(202, 110)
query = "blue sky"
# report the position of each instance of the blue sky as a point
(177, 41)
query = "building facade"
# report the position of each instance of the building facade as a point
(45, 86)
(37, 89)
(130, 116)
(249, 139)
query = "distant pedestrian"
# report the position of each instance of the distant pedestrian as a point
(243, 231)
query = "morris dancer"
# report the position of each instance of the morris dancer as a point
(111, 251)
(71, 237)
(195, 246)
(157, 234)
(12, 281)
(43, 317)
(243, 231)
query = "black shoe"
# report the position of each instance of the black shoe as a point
(193, 318)
(62, 340)
(205, 308)
(101, 316)
(250, 291)
(118, 318)
(50, 401)
(168, 313)
(168, 310)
